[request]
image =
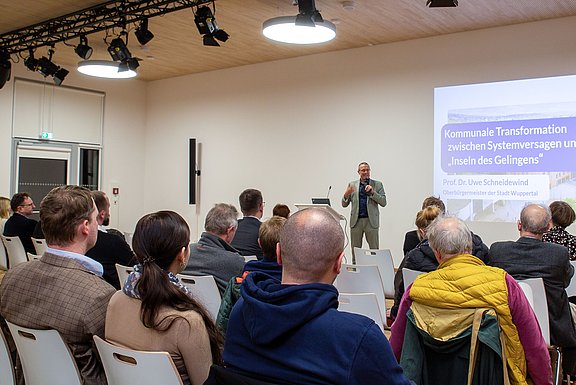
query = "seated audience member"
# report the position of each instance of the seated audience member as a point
(63, 290)
(412, 238)
(246, 238)
(154, 311)
(19, 225)
(291, 331)
(422, 257)
(562, 216)
(109, 248)
(4, 212)
(463, 281)
(268, 237)
(213, 255)
(281, 210)
(529, 257)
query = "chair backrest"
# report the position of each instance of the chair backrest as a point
(125, 366)
(250, 258)
(571, 289)
(382, 259)
(40, 245)
(3, 257)
(205, 291)
(128, 238)
(361, 303)
(537, 298)
(15, 250)
(32, 257)
(7, 376)
(46, 359)
(123, 272)
(409, 275)
(362, 279)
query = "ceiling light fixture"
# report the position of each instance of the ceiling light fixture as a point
(46, 67)
(30, 62)
(5, 67)
(118, 50)
(206, 24)
(83, 49)
(308, 27)
(442, 3)
(143, 34)
(104, 69)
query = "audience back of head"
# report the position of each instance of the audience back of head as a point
(449, 236)
(535, 219)
(424, 218)
(281, 210)
(250, 201)
(434, 201)
(4, 207)
(269, 236)
(562, 214)
(220, 218)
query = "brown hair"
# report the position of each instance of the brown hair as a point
(425, 216)
(4, 207)
(17, 200)
(269, 236)
(62, 210)
(281, 210)
(158, 238)
(433, 201)
(100, 200)
(250, 201)
(562, 214)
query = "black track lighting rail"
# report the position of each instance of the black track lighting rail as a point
(112, 14)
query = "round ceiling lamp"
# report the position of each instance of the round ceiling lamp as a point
(104, 69)
(284, 29)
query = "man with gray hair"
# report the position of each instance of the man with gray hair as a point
(530, 257)
(213, 254)
(291, 331)
(462, 282)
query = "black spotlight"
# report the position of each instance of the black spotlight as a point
(442, 3)
(128, 64)
(83, 49)
(308, 15)
(143, 34)
(30, 62)
(46, 67)
(118, 50)
(60, 75)
(5, 68)
(207, 26)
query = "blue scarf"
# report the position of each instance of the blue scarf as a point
(131, 286)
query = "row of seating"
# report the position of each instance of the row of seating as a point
(12, 251)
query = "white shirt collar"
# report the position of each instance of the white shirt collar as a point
(88, 263)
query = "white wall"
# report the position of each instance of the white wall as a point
(123, 139)
(294, 127)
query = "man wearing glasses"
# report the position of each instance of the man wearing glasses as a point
(19, 225)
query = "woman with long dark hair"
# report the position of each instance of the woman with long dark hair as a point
(154, 311)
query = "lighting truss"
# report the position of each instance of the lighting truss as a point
(90, 20)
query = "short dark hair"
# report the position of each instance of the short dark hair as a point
(17, 200)
(250, 200)
(562, 214)
(434, 201)
(281, 210)
(100, 199)
(269, 236)
(62, 210)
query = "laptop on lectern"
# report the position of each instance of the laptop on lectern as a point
(321, 201)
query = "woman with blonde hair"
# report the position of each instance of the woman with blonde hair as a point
(154, 311)
(4, 212)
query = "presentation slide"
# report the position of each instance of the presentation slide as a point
(500, 145)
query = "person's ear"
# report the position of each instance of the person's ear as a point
(438, 256)
(278, 254)
(519, 224)
(338, 263)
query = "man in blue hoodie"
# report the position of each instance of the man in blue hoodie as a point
(292, 332)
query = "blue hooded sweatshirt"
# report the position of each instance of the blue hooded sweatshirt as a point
(294, 334)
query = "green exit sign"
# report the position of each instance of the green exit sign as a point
(46, 135)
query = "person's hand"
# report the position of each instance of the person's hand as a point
(349, 190)
(369, 190)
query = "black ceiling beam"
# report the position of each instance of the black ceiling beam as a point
(90, 20)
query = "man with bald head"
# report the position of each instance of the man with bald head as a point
(291, 331)
(530, 257)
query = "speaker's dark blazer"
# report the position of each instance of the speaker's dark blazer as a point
(109, 250)
(246, 238)
(20, 226)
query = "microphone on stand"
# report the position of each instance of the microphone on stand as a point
(329, 189)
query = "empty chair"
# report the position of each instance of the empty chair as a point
(39, 245)
(204, 288)
(361, 303)
(132, 367)
(46, 359)
(123, 272)
(32, 257)
(409, 275)
(362, 279)
(7, 376)
(382, 259)
(15, 251)
(3, 257)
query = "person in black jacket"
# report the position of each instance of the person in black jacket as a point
(246, 238)
(412, 239)
(19, 225)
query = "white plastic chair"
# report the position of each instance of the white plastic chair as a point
(571, 289)
(409, 275)
(204, 288)
(32, 257)
(362, 279)
(361, 303)
(132, 367)
(123, 272)
(3, 257)
(39, 245)
(250, 258)
(128, 237)
(46, 359)
(15, 251)
(7, 376)
(382, 259)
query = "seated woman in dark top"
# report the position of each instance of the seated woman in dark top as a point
(562, 217)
